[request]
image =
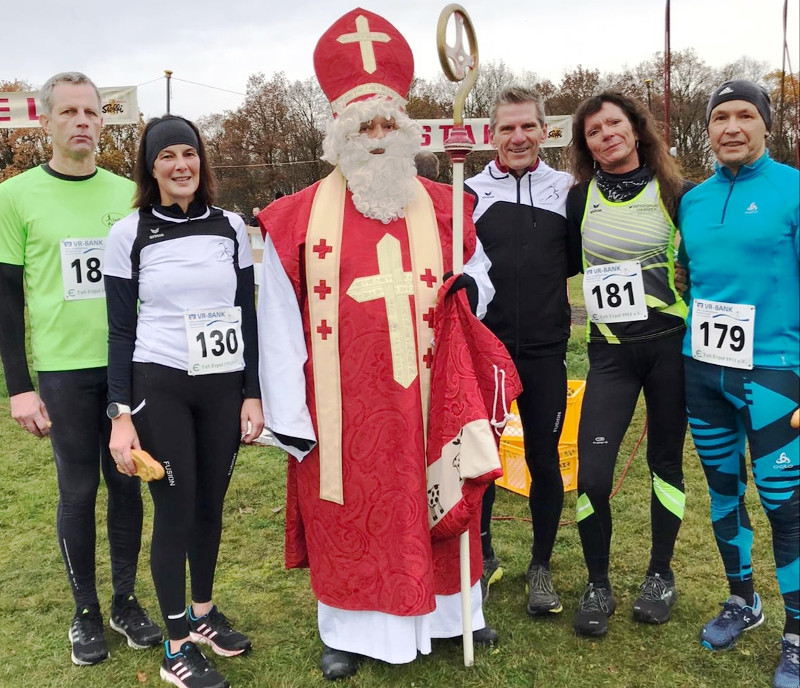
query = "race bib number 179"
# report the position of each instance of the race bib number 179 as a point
(82, 268)
(722, 333)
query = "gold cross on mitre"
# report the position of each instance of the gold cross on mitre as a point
(365, 38)
(393, 286)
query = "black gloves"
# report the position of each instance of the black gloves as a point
(465, 281)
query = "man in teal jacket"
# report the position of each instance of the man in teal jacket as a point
(742, 347)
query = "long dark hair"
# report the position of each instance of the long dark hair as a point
(652, 150)
(147, 192)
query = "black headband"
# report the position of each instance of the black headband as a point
(167, 132)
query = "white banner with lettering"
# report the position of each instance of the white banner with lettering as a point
(435, 131)
(20, 108)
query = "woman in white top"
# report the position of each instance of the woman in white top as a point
(183, 374)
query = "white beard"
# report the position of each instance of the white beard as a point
(381, 183)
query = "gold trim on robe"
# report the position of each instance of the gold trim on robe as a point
(323, 258)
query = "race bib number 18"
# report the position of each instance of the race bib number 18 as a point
(615, 292)
(215, 340)
(82, 268)
(722, 333)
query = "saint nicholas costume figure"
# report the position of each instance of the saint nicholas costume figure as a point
(351, 271)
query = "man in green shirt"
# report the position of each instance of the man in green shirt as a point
(53, 223)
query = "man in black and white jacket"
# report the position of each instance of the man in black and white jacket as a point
(520, 217)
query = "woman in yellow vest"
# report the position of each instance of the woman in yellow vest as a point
(624, 201)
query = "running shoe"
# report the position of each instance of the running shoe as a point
(735, 618)
(215, 630)
(542, 597)
(189, 668)
(787, 675)
(594, 609)
(657, 596)
(129, 618)
(86, 635)
(492, 572)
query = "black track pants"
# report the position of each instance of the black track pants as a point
(617, 373)
(541, 408)
(191, 425)
(76, 401)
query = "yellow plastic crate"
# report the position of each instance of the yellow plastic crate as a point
(515, 471)
(569, 431)
(512, 453)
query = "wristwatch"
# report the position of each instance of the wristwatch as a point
(115, 410)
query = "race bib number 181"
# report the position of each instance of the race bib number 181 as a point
(615, 292)
(722, 333)
(82, 268)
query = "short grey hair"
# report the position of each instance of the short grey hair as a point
(76, 78)
(515, 95)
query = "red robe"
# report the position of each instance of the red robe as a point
(473, 384)
(373, 553)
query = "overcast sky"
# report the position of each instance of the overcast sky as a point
(220, 43)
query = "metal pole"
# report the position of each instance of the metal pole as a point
(648, 83)
(460, 65)
(168, 74)
(667, 69)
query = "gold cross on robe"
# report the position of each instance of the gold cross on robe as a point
(365, 38)
(393, 286)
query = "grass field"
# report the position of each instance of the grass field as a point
(276, 607)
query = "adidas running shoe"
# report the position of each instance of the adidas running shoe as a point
(215, 630)
(594, 609)
(189, 668)
(656, 597)
(87, 638)
(129, 618)
(735, 618)
(787, 675)
(542, 597)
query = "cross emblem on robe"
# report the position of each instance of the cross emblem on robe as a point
(393, 286)
(428, 277)
(365, 38)
(322, 249)
(322, 289)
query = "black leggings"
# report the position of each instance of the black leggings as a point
(617, 373)
(76, 402)
(191, 425)
(541, 409)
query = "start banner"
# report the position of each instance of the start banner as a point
(435, 131)
(119, 105)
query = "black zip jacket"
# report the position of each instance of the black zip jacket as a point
(522, 225)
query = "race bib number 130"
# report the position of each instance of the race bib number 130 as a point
(82, 268)
(215, 340)
(722, 333)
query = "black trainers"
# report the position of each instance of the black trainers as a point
(215, 630)
(129, 618)
(189, 668)
(594, 609)
(492, 572)
(542, 597)
(655, 599)
(86, 635)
